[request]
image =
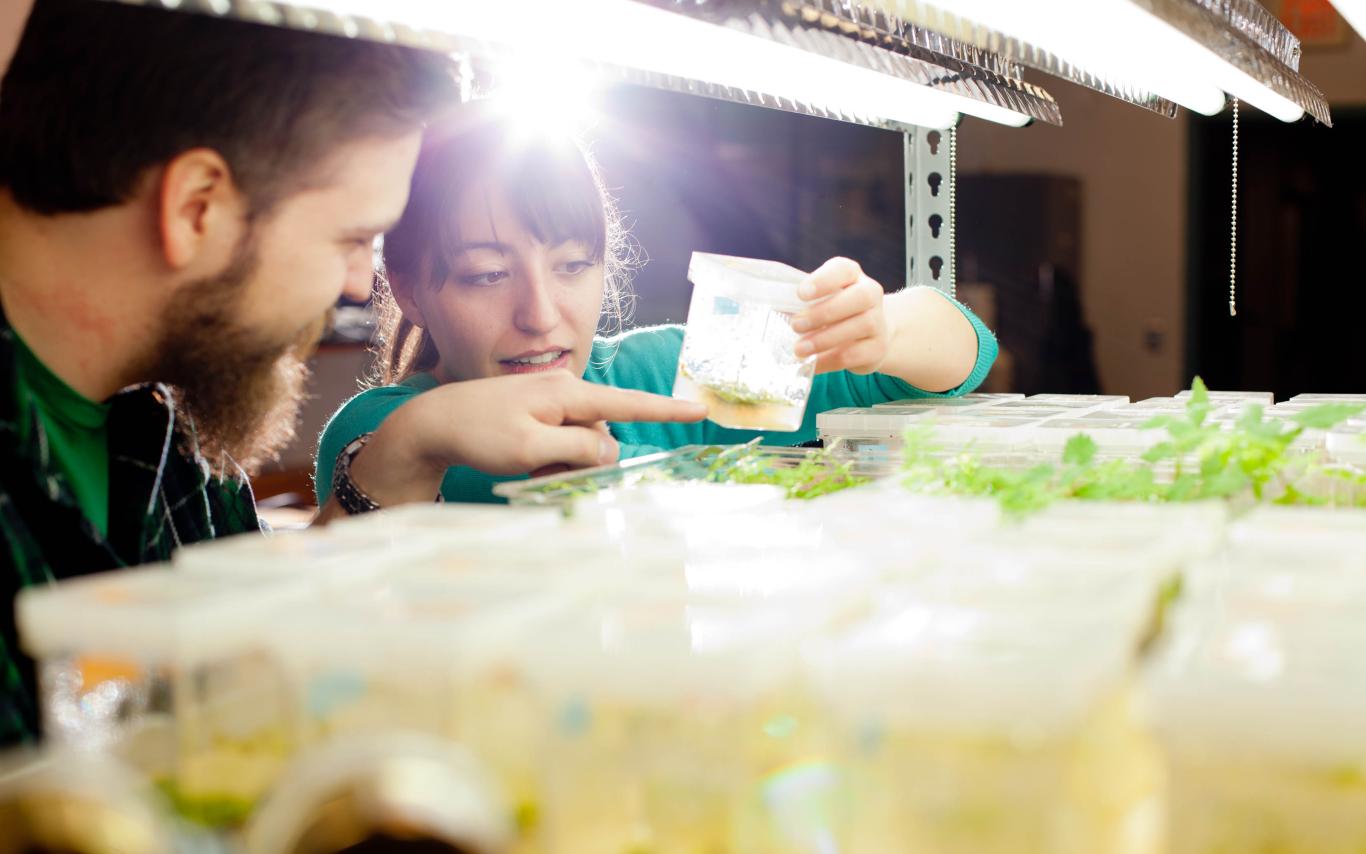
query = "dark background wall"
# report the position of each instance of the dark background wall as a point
(1301, 273)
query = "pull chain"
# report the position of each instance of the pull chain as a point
(1233, 225)
(953, 212)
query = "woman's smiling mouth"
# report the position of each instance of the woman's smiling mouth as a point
(536, 361)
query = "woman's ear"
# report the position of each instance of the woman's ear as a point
(404, 291)
(200, 214)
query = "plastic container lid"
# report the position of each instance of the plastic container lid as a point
(750, 279)
(419, 623)
(1263, 397)
(960, 667)
(1328, 398)
(323, 556)
(449, 523)
(155, 614)
(869, 421)
(1081, 399)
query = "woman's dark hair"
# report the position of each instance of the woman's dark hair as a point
(553, 186)
(98, 93)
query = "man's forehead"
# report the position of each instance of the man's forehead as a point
(372, 169)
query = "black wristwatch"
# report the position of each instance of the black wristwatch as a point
(348, 496)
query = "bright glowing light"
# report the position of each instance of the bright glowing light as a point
(542, 95)
(634, 35)
(1355, 13)
(1122, 41)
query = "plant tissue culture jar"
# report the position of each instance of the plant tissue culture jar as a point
(739, 355)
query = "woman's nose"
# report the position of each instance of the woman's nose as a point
(537, 313)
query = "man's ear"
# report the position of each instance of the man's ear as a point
(201, 212)
(403, 289)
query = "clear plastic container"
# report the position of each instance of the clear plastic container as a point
(1262, 714)
(425, 652)
(674, 724)
(168, 670)
(963, 728)
(739, 354)
(386, 792)
(79, 802)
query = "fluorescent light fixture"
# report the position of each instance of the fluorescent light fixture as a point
(1120, 39)
(634, 35)
(1109, 37)
(1354, 11)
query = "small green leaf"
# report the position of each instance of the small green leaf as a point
(1158, 422)
(1079, 451)
(1326, 415)
(1199, 393)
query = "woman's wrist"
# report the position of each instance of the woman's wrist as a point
(394, 467)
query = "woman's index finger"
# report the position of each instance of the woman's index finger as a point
(831, 277)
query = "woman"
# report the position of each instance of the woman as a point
(510, 258)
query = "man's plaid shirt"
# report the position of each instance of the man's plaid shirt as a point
(161, 496)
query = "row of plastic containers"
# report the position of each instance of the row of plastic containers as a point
(710, 668)
(1013, 430)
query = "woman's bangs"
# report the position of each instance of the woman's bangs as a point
(555, 194)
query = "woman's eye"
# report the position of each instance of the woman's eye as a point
(492, 277)
(573, 268)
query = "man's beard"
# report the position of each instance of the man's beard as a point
(238, 389)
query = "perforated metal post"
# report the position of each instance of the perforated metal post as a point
(929, 210)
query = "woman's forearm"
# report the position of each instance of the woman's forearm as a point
(932, 345)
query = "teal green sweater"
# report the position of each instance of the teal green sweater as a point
(645, 359)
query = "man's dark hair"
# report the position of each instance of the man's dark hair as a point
(99, 92)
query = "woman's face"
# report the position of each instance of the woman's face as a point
(512, 304)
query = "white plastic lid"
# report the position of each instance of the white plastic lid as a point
(1263, 397)
(748, 279)
(156, 614)
(449, 523)
(960, 667)
(323, 556)
(417, 623)
(1329, 398)
(1080, 399)
(868, 421)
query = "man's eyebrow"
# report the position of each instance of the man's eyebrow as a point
(372, 229)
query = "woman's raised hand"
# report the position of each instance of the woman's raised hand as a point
(916, 334)
(845, 324)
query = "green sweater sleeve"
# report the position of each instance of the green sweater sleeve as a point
(647, 359)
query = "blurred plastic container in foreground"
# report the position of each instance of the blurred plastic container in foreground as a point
(384, 793)
(167, 670)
